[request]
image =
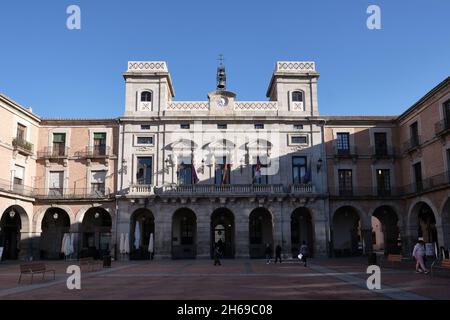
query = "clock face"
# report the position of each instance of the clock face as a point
(222, 102)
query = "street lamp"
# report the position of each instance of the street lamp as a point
(12, 214)
(56, 216)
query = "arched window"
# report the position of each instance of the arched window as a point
(146, 96)
(297, 96)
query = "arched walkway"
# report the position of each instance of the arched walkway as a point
(13, 222)
(260, 232)
(96, 233)
(386, 234)
(347, 238)
(301, 230)
(422, 224)
(184, 234)
(445, 216)
(222, 232)
(55, 223)
(145, 222)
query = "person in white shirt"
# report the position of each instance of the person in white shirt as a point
(419, 253)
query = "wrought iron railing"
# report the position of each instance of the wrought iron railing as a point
(441, 126)
(15, 188)
(73, 193)
(99, 151)
(23, 145)
(52, 152)
(412, 143)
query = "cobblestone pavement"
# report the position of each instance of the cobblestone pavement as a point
(343, 278)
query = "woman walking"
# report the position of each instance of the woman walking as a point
(419, 254)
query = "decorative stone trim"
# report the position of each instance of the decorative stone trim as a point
(295, 66)
(185, 106)
(256, 106)
(147, 66)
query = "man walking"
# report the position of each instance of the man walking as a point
(268, 253)
(304, 251)
(278, 253)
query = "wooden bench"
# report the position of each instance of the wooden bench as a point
(394, 260)
(89, 262)
(441, 265)
(34, 268)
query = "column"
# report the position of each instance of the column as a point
(242, 240)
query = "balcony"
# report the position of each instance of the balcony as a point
(216, 189)
(14, 188)
(72, 194)
(22, 146)
(428, 184)
(53, 153)
(384, 152)
(412, 144)
(442, 127)
(366, 192)
(303, 188)
(93, 152)
(347, 153)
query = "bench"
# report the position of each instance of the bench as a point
(34, 268)
(395, 260)
(440, 265)
(89, 262)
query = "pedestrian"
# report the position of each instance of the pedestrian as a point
(304, 252)
(217, 254)
(268, 253)
(278, 253)
(419, 254)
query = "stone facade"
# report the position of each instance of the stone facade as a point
(239, 174)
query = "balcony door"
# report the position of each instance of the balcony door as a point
(447, 114)
(144, 170)
(299, 170)
(343, 143)
(56, 183)
(383, 182)
(21, 132)
(417, 168)
(345, 182)
(380, 143)
(100, 144)
(59, 144)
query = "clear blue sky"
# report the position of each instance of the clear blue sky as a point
(63, 73)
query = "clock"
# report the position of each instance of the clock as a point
(222, 102)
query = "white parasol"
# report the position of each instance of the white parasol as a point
(151, 245)
(63, 244)
(126, 245)
(122, 243)
(137, 236)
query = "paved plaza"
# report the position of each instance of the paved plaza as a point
(343, 278)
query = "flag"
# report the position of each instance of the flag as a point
(225, 171)
(257, 169)
(194, 174)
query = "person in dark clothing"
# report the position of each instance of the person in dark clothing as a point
(278, 253)
(217, 255)
(304, 251)
(268, 253)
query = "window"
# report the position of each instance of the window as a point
(300, 174)
(55, 186)
(343, 143)
(414, 132)
(146, 96)
(258, 169)
(447, 114)
(299, 139)
(145, 127)
(19, 174)
(417, 168)
(297, 96)
(185, 172)
(185, 126)
(144, 140)
(98, 182)
(298, 126)
(144, 170)
(222, 126)
(100, 144)
(59, 144)
(21, 132)
(345, 177)
(383, 182)
(222, 171)
(259, 126)
(380, 143)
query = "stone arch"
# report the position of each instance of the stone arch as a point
(388, 235)
(184, 234)
(15, 227)
(39, 216)
(55, 224)
(302, 229)
(347, 231)
(261, 231)
(146, 220)
(445, 221)
(222, 231)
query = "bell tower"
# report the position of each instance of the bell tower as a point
(221, 75)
